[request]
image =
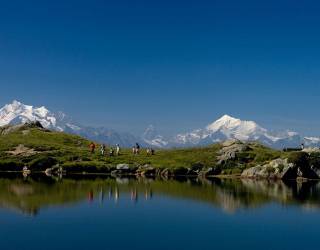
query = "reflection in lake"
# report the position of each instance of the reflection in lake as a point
(30, 194)
(38, 212)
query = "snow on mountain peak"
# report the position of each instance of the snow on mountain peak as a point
(17, 112)
(234, 127)
(226, 127)
(225, 121)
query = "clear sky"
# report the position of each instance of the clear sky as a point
(176, 64)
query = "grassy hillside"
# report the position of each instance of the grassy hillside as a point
(43, 148)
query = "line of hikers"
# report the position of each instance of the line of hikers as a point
(117, 149)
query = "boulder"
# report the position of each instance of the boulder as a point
(230, 149)
(210, 172)
(165, 172)
(316, 171)
(146, 170)
(280, 169)
(180, 171)
(122, 167)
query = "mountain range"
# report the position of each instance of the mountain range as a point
(224, 128)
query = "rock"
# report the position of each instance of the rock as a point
(21, 127)
(210, 172)
(122, 167)
(181, 171)
(197, 167)
(280, 169)
(192, 172)
(121, 172)
(146, 170)
(23, 151)
(276, 169)
(311, 150)
(165, 172)
(231, 142)
(230, 149)
(316, 171)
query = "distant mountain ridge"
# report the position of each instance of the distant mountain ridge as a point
(228, 127)
(224, 128)
(17, 112)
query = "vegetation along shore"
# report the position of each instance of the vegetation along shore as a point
(30, 147)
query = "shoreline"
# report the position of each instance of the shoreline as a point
(133, 175)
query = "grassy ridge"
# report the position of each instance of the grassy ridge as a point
(73, 152)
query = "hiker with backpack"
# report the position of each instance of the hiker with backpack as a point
(117, 149)
(92, 147)
(102, 149)
(137, 148)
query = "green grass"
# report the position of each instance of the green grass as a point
(72, 152)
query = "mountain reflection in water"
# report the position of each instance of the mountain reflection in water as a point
(31, 194)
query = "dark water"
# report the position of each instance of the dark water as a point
(46, 213)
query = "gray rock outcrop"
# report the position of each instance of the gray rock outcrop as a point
(280, 169)
(230, 149)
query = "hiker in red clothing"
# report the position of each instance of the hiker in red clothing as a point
(92, 147)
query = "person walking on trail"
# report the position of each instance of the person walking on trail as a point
(137, 148)
(117, 149)
(102, 149)
(134, 150)
(111, 153)
(92, 147)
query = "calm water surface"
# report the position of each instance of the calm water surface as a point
(40, 212)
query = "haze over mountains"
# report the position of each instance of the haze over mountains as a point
(222, 129)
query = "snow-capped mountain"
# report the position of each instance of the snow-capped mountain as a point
(17, 112)
(224, 128)
(228, 127)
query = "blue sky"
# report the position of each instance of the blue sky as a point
(175, 64)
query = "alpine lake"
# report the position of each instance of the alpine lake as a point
(102, 212)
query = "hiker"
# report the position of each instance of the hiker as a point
(137, 148)
(92, 147)
(102, 149)
(111, 153)
(118, 149)
(148, 151)
(134, 150)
